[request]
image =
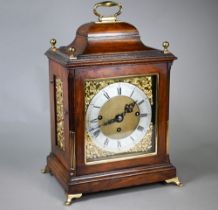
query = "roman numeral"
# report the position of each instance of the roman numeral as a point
(119, 144)
(144, 115)
(97, 107)
(94, 120)
(106, 142)
(140, 128)
(141, 102)
(96, 133)
(132, 138)
(132, 93)
(106, 95)
(119, 91)
(91, 129)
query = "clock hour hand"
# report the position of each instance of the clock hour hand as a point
(120, 117)
(129, 107)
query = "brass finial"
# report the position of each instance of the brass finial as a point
(53, 43)
(72, 51)
(166, 45)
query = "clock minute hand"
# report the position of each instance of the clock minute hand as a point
(117, 118)
(109, 122)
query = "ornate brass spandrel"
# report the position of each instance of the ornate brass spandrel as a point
(59, 113)
(146, 143)
(93, 152)
(92, 87)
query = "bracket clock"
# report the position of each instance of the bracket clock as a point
(109, 97)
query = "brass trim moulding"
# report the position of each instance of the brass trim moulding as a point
(70, 198)
(168, 138)
(82, 61)
(73, 154)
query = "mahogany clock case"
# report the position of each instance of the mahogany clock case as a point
(110, 50)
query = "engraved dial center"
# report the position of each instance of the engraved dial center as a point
(122, 121)
(119, 118)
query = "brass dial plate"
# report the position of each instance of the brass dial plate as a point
(127, 126)
(147, 146)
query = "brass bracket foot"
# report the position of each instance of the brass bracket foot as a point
(70, 198)
(175, 181)
(46, 170)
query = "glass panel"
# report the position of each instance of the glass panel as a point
(120, 118)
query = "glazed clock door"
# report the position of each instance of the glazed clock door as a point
(120, 117)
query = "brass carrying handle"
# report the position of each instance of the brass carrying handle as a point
(107, 4)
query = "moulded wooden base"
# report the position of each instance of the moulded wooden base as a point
(109, 180)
